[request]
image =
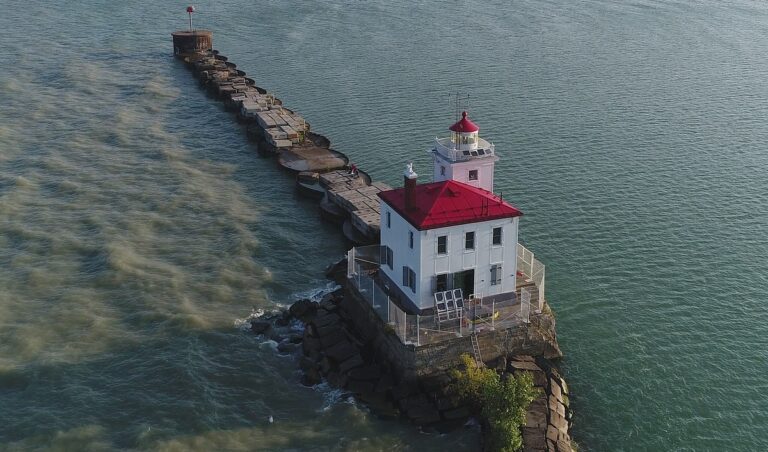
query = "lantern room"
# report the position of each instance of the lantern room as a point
(464, 134)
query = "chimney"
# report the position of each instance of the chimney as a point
(409, 177)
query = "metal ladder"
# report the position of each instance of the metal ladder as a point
(476, 350)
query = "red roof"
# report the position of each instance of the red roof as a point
(449, 203)
(464, 125)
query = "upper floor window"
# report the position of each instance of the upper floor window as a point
(410, 239)
(389, 219)
(442, 244)
(469, 240)
(442, 171)
(497, 236)
(473, 174)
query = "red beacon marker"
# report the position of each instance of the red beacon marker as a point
(190, 10)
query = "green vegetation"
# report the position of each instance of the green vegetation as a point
(502, 402)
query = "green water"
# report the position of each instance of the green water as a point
(138, 228)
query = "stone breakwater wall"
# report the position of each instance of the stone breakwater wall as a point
(344, 349)
(344, 340)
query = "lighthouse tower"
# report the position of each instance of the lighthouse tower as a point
(464, 156)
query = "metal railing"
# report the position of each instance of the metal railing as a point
(447, 148)
(478, 314)
(532, 271)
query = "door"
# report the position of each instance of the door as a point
(465, 281)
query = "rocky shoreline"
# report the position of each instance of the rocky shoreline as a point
(333, 349)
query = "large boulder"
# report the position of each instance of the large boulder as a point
(303, 310)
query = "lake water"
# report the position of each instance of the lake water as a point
(138, 227)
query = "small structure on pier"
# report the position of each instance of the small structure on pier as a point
(188, 42)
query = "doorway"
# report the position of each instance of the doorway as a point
(465, 281)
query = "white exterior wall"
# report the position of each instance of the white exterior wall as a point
(481, 259)
(426, 263)
(459, 171)
(396, 237)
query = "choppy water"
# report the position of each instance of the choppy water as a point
(138, 226)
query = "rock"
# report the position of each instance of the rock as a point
(287, 347)
(536, 417)
(337, 272)
(311, 377)
(329, 338)
(436, 383)
(325, 365)
(336, 379)
(539, 379)
(260, 326)
(564, 446)
(552, 433)
(559, 422)
(325, 320)
(501, 363)
(360, 387)
(366, 373)
(551, 446)
(447, 403)
(379, 405)
(527, 358)
(524, 365)
(303, 309)
(295, 338)
(457, 413)
(284, 319)
(385, 383)
(351, 363)
(310, 345)
(341, 351)
(403, 390)
(305, 364)
(424, 414)
(534, 439)
(554, 389)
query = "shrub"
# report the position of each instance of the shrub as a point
(502, 402)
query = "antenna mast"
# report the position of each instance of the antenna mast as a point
(460, 101)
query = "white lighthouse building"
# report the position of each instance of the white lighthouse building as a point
(453, 233)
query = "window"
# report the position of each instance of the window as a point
(469, 240)
(409, 279)
(495, 274)
(389, 219)
(441, 283)
(473, 174)
(442, 244)
(387, 257)
(497, 236)
(410, 239)
(442, 171)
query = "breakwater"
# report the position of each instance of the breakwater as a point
(343, 341)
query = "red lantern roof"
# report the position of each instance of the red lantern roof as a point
(190, 9)
(464, 125)
(449, 203)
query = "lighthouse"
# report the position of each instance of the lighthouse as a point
(464, 156)
(451, 237)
